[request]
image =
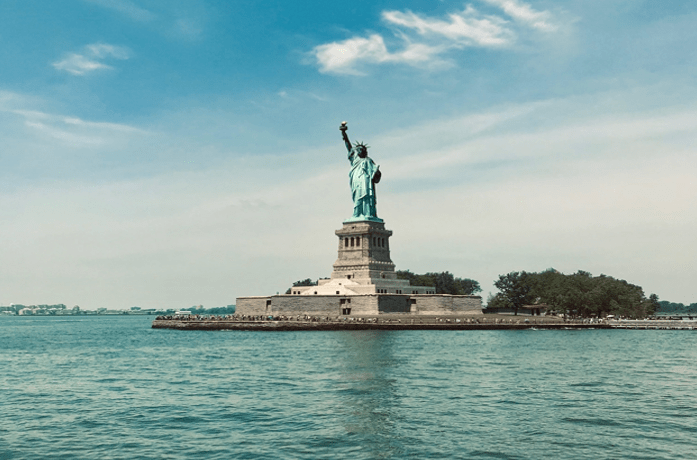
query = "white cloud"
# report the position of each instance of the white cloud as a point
(466, 28)
(103, 50)
(424, 39)
(342, 57)
(91, 58)
(296, 95)
(524, 13)
(77, 64)
(345, 56)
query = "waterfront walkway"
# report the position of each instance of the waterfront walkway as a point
(404, 322)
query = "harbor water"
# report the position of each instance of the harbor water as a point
(111, 388)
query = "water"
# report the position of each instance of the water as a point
(111, 387)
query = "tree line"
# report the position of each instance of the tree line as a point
(444, 282)
(200, 310)
(577, 295)
(677, 308)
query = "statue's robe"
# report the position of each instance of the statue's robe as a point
(362, 178)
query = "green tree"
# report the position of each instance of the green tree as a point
(585, 295)
(305, 282)
(444, 282)
(651, 305)
(516, 289)
(497, 301)
(664, 306)
(228, 310)
(467, 286)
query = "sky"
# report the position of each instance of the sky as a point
(168, 154)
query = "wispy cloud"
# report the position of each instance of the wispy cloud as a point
(78, 64)
(127, 8)
(342, 57)
(297, 96)
(72, 130)
(103, 50)
(172, 19)
(424, 39)
(188, 27)
(470, 141)
(465, 28)
(524, 13)
(91, 58)
(63, 135)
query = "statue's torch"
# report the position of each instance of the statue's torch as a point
(343, 129)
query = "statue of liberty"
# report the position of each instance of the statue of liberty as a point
(363, 176)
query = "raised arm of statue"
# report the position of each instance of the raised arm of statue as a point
(343, 129)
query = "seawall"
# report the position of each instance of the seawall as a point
(404, 322)
(360, 324)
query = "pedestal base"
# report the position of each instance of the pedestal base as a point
(359, 305)
(363, 219)
(364, 282)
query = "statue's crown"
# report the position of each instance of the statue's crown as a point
(361, 144)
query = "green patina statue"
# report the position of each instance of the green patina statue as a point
(363, 176)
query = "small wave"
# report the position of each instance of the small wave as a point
(591, 421)
(492, 454)
(587, 384)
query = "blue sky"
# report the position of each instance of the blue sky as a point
(167, 154)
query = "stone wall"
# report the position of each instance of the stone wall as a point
(395, 303)
(444, 304)
(314, 305)
(371, 304)
(251, 305)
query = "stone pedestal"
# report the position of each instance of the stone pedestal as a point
(363, 283)
(364, 252)
(363, 265)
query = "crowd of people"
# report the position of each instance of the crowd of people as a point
(357, 319)
(410, 321)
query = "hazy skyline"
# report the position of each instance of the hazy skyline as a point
(169, 154)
